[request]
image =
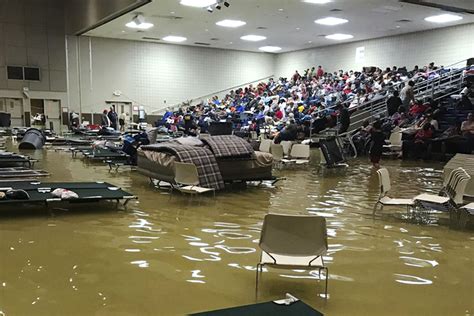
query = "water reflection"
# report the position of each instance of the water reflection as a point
(412, 280)
(162, 249)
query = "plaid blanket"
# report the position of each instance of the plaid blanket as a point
(205, 162)
(225, 146)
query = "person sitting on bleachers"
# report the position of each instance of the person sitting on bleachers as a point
(418, 108)
(419, 145)
(422, 138)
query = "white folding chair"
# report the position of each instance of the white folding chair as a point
(265, 145)
(286, 147)
(293, 242)
(299, 154)
(385, 186)
(452, 195)
(394, 142)
(277, 152)
(187, 179)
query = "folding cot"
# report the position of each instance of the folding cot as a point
(20, 172)
(104, 154)
(8, 159)
(291, 306)
(87, 192)
(101, 153)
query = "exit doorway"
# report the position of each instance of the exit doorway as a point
(122, 107)
(46, 114)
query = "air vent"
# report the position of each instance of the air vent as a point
(404, 21)
(214, 39)
(151, 38)
(261, 28)
(167, 17)
(321, 35)
(335, 10)
(202, 44)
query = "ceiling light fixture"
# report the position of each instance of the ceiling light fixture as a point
(331, 21)
(198, 3)
(216, 4)
(174, 39)
(138, 22)
(443, 18)
(253, 38)
(339, 37)
(231, 23)
(317, 1)
(270, 49)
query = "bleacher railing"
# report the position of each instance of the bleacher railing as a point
(204, 98)
(444, 83)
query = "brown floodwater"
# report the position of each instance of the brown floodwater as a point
(170, 255)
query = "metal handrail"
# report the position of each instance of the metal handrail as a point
(432, 86)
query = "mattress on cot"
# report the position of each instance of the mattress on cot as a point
(160, 166)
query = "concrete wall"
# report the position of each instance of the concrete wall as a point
(151, 74)
(443, 46)
(32, 34)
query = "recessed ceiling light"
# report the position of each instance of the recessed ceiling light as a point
(280, 10)
(231, 23)
(253, 38)
(331, 21)
(317, 1)
(198, 3)
(270, 49)
(443, 18)
(141, 26)
(339, 37)
(175, 39)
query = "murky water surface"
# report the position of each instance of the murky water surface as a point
(169, 255)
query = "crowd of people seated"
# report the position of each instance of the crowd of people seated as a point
(290, 108)
(419, 125)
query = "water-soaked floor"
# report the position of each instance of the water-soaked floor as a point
(169, 255)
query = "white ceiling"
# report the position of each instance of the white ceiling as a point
(288, 23)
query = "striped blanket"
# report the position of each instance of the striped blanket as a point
(227, 146)
(205, 162)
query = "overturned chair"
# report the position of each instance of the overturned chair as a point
(293, 242)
